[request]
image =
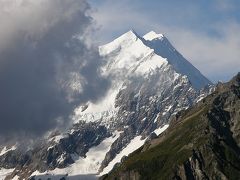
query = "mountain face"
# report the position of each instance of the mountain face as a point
(150, 83)
(202, 142)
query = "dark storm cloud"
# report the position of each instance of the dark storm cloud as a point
(46, 69)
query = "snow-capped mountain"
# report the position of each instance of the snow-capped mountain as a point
(150, 82)
(133, 58)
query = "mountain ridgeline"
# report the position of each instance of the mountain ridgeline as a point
(202, 142)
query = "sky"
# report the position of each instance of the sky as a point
(206, 32)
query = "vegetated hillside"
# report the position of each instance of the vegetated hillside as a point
(202, 142)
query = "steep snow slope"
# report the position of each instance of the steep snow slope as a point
(163, 48)
(4, 172)
(134, 144)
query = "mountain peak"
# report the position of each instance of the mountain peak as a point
(130, 35)
(124, 40)
(153, 35)
(131, 49)
(132, 31)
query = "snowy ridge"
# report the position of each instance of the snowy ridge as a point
(152, 35)
(160, 130)
(135, 143)
(129, 56)
(164, 48)
(5, 172)
(123, 41)
(95, 116)
(5, 150)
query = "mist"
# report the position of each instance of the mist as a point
(46, 67)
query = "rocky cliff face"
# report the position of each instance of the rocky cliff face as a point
(151, 82)
(200, 143)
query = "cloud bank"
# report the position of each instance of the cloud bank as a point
(46, 68)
